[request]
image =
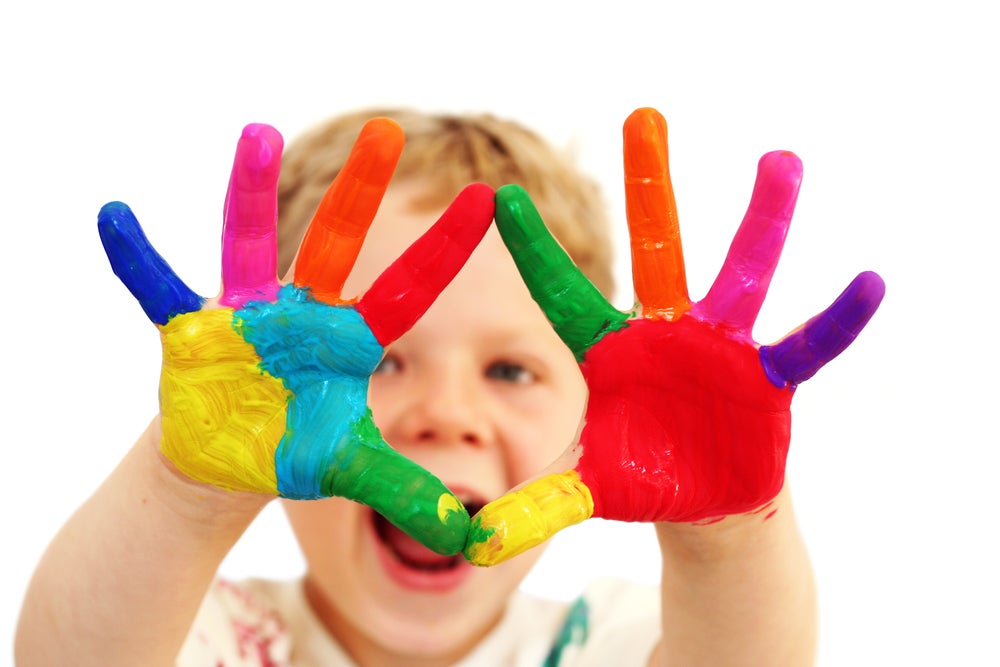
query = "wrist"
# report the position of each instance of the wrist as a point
(729, 536)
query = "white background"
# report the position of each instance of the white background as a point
(891, 106)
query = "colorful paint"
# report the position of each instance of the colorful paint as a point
(542, 508)
(688, 419)
(249, 256)
(267, 393)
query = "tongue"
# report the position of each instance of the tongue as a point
(410, 551)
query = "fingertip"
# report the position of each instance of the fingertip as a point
(781, 163)
(266, 134)
(386, 132)
(645, 144)
(515, 208)
(259, 150)
(482, 549)
(782, 170)
(119, 229)
(859, 301)
(479, 196)
(872, 284)
(455, 522)
(776, 189)
(476, 205)
(371, 163)
(648, 117)
(382, 125)
(511, 192)
(113, 212)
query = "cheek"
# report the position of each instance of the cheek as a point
(541, 432)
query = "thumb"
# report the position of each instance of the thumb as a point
(530, 513)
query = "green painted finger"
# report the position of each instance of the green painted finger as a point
(578, 311)
(410, 497)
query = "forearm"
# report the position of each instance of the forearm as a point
(738, 592)
(122, 580)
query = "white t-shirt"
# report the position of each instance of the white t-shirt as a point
(261, 623)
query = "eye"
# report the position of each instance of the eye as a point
(389, 364)
(508, 371)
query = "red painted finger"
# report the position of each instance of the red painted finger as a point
(409, 286)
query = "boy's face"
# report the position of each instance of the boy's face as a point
(482, 393)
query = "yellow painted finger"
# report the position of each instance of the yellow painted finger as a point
(527, 517)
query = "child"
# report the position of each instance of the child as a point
(480, 391)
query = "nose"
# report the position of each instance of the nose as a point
(446, 406)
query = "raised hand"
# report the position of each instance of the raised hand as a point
(264, 389)
(688, 418)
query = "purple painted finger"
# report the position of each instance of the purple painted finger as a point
(249, 241)
(738, 293)
(802, 353)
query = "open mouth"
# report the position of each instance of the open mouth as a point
(410, 553)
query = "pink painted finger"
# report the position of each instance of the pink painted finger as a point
(333, 240)
(657, 257)
(410, 285)
(250, 217)
(738, 293)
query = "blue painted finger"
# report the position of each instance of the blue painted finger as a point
(798, 356)
(143, 271)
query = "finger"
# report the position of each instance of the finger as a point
(578, 311)
(802, 353)
(160, 292)
(527, 516)
(250, 218)
(657, 257)
(409, 286)
(738, 293)
(338, 229)
(407, 495)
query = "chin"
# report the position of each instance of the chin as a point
(389, 600)
(437, 606)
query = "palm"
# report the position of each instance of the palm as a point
(688, 417)
(681, 424)
(266, 390)
(243, 392)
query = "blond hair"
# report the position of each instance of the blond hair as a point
(453, 151)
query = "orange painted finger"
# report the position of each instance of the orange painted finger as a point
(333, 240)
(657, 257)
